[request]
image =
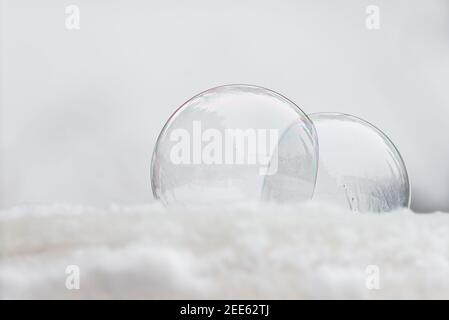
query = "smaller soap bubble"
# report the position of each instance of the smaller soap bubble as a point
(219, 147)
(359, 167)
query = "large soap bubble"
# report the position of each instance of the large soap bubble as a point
(219, 147)
(359, 167)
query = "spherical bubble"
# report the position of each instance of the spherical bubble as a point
(221, 145)
(359, 167)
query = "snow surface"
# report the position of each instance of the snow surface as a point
(247, 251)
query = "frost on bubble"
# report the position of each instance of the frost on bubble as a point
(359, 167)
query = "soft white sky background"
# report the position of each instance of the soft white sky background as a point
(80, 110)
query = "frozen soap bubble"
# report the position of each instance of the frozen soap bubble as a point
(219, 147)
(359, 167)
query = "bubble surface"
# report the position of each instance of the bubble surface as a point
(224, 146)
(359, 167)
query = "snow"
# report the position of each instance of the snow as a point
(244, 251)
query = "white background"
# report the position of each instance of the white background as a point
(80, 110)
